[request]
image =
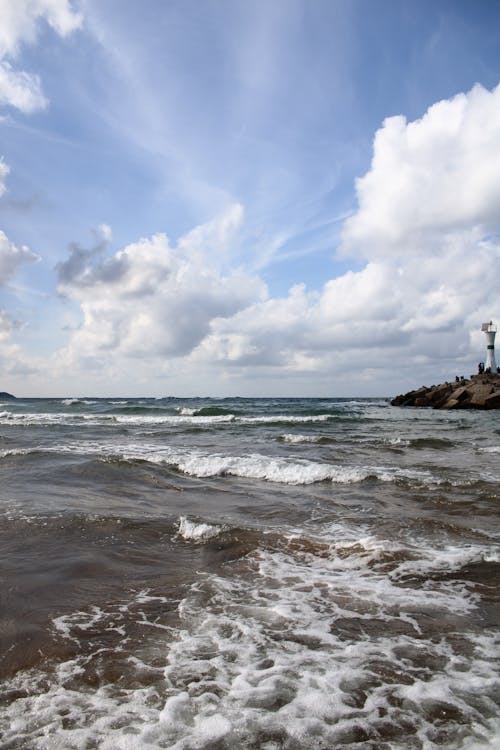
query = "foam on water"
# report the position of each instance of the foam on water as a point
(276, 664)
(284, 470)
(65, 624)
(293, 648)
(291, 438)
(75, 401)
(293, 471)
(186, 416)
(198, 532)
(15, 452)
(277, 418)
(399, 441)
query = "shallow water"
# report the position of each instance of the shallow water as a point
(248, 573)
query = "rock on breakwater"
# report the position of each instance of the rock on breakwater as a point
(479, 392)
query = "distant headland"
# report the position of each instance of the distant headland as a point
(481, 391)
(4, 395)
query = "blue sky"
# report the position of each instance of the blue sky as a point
(245, 197)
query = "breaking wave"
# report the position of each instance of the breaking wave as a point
(198, 532)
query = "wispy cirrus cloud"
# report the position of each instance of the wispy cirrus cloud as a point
(11, 256)
(4, 171)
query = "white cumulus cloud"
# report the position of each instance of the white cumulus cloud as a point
(434, 176)
(21, 90)
(428, 228)
(152, 299)
(12, 257)
(19, 24)
(21, 18)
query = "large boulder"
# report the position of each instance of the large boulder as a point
(492, 401)
(479, 393)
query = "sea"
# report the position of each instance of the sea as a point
(243, 573)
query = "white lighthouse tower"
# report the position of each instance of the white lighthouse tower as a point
(490, 330)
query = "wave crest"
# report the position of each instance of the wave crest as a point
(198, 532)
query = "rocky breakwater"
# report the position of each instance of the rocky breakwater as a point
(479, 392)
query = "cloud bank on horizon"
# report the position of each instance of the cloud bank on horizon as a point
(375, 280)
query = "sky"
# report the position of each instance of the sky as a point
(247, 197)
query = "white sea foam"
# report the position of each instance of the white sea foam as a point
(39, 418)
(300, 650)
(294, 438)
(188, 416)
(186, 411)
(176, 420)
(185, 418)
(282, 470)
(275, 655)
(74, 401)
(293, 471)
(396, 441)
(285, 470)
(15, 452)
(288, 471)
(278, 418)
(197, 532)
(490, 449)
(84, 620)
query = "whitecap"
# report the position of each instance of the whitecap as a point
(250, 466)
(277, 418)
(15, 452)
(198, 532)
(291, 438)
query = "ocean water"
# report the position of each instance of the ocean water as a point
(248, 573)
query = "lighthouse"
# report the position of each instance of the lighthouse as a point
(490, 330)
